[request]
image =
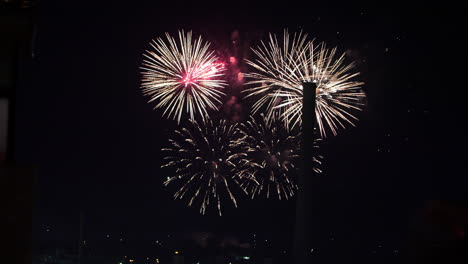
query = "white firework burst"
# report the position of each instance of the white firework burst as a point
(203, 161)
(271, 154)
(182, 76)
(282, 68)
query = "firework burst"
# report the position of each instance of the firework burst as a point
(271, 151)
(204, 159)
(283, 68)
(182, 76)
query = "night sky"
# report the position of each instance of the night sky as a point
(95, 142)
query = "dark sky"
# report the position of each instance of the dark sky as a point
(95, 141)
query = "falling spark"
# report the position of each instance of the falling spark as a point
(204, 159)
(182, 76)
(283, 68)
(271, 154)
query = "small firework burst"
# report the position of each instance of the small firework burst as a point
(281, 71)
(272, 152)
(204, 160)
(183, 76)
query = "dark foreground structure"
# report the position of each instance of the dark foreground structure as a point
(17, 20)
(304, 230)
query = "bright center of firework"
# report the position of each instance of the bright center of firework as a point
(203, 72)
(188, 80)
(274, 158)
(272, 162)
